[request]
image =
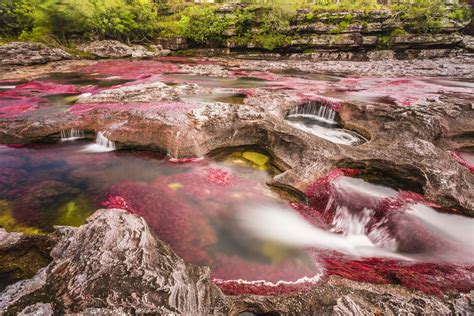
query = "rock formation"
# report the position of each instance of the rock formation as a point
(113, 264)
(21, 53)
(115, 49)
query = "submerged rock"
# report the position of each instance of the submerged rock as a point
(21, 256)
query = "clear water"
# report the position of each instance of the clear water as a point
(192, 207)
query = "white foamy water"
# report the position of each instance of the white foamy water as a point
(7, 87)
(455, 227)
(363, 187)
(72, 134)
(288, 228)
(277, 224)
(332, 134)
(102, 144)
(315, 111)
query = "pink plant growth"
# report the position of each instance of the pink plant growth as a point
(181, 107)
(138, 69)
(45, 88)
(457, 156)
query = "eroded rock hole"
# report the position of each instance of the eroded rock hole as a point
(322, 119)
(382, 173)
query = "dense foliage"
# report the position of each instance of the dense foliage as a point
(15, 16)
(258, 24)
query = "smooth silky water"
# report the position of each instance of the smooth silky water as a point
(193, 207)
(221, 215)
(320, 121)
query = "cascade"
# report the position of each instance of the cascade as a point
(102, 144)
(72, 134)
(103, 141)
(315, 110)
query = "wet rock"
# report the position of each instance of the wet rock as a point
(22, 256)
(114, 263)
(468, 43)
(115, 49)
(24, 53)
(342, 297)
(147, 92)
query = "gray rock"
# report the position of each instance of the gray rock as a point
(115, 49)
(113, 262)
(114, 265)
(468, 43)
(25, 53)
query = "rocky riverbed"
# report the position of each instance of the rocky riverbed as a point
(374, 158)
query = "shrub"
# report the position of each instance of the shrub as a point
(125, 20)
(200, 24)
(15, 17)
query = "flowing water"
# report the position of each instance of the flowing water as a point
(223, 215)
(320, 120)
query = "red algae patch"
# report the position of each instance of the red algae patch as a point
(180, 107)
(131, 69)
(45, 88)
(194, 213)
(440, 258)
(404, 92)
(463, 159)
(11, 106)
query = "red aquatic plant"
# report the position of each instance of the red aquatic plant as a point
(160, 107)
(44, 88)
(131, 69)
(431, 278)
(456, 156)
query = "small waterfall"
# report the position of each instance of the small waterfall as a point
(176, 151)
(72, 134)
(103, 141)
(102, 144)
(315, 110)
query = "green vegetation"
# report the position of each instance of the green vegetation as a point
(15, 16)
(201, 24)
(260, 24)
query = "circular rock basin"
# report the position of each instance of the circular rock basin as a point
(320, 120)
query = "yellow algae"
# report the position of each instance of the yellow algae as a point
(275, 252)
(175, 186)
(9, 223)
(255, 157)
(74, 213)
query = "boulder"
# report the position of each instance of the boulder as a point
(114, 263)
(25, 53)
(115, 49)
